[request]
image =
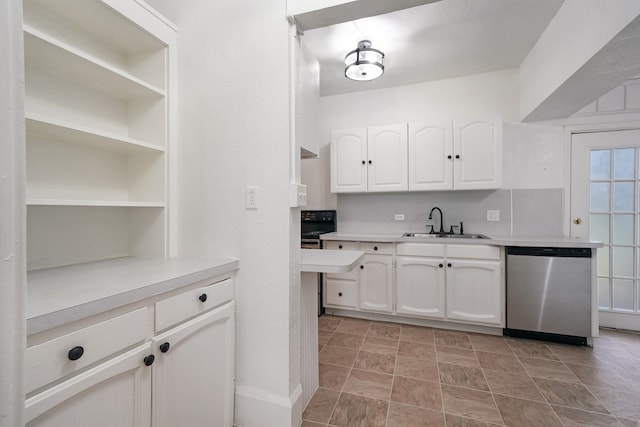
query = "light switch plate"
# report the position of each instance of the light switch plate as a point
(251, 197)
(297, 195)
(493, 215)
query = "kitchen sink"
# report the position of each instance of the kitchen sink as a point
(445, 236)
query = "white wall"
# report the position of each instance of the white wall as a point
(533, 152)
(234, 132)
(12, 215)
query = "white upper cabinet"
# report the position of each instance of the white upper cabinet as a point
(430, 155)
(369, 159)
(477, 152)
(387, 158)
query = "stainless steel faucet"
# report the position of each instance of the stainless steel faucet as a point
(441, 219)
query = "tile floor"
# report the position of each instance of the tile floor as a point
(386, 374)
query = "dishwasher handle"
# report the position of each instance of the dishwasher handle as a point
(549, 251)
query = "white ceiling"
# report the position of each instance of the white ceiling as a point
(439, 40)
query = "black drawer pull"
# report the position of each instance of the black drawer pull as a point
(375, 248)
(203, 297)
(457, 156)
(449, 264)
(164, 347)
(449, 156)
(362, 267)
(339, 294)
(339, 246)
(148, 361)
(440, 265)
(75, 353)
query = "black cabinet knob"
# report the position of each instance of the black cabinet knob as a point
(440, 265)
(370, 162)
(375, 248)
(164, 347)
(339, 246)
(339, 294)
(75, 353)
(363, 162)
(203, 297)
(448, 264)
(457, 156)
(449, 157)
(148, 361)
(362, 267)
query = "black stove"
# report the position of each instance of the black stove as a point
(315, 223)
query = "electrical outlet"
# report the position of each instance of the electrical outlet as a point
(493, 215)
(251, 195)
(399, 217)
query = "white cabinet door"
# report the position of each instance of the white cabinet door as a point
(387, 158)
(193, 380)
(430, 156)
(376, 276)
(420, 286)
(114, 393)
(474, 291)
(348, 160)
(477, 149)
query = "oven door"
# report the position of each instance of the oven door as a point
(311, 244)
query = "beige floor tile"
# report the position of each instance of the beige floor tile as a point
(619, 403)
(325, 334)
(421, 369)
(458, 421)
(417, 334)
(512, 385)
(601, 377)
(306, 423)
(338, 356)
(384, 330)
(452, 339)
(417, 350)
(359, 411)
(462, 376)
(333, 377)
(351, 341)
(529, 348)
(380, 345)
(329, 323)
(412, 416)
(549, 369)
(475, 404)
(354, 326)
(572, 395)
(526, 413)
(457, 356)
(425, 394)
(377, 362)
(572, 417)
(490, 343)
(501, 362)
(321, 405)
(370, 384)
(628, 423)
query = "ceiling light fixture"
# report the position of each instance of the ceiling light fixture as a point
(364, 63)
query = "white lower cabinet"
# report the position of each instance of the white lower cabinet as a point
(193, 373)
(376, 277)
(473, 291)
(420, 287)
(115, 372)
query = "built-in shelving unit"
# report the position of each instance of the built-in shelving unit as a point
(98, 90)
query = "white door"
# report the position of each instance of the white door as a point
(193, 379)
(348, 160)
(477, 154)
(375, 283)
(473, 291)
(420, 287)
(114, 393)
(430, 156)
(387, 158)
(605, 207)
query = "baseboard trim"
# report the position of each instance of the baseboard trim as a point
(255, 407)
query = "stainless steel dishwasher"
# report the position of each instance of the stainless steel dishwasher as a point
(549, 293)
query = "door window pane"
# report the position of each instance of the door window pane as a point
(623, 196)
(623, 229)
(623, 297)
(599, 227)
(604, 301)
(624, 161)
(600, 164)
(622, 262)
(603, 261)
(600, 196)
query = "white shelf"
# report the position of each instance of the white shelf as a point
(106, 203)
(60, 130)
(47, 53)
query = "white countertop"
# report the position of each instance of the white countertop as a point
(536, 241)
(329, 261)
(56, 296)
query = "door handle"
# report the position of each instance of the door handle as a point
(577, 221)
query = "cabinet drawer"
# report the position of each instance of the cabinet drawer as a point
(353, 246)
(51, 360)
(420, 249)
(473, 251)
(376, 248)
(191, 303)
(340, 293)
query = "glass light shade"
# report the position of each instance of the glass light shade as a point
(364, 63)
